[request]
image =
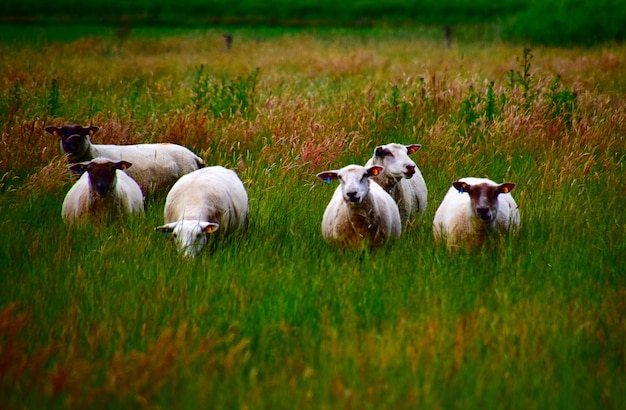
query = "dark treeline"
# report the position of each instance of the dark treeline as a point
(555, 22)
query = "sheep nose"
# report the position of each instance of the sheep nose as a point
(410, 170)
(101, 189)
(352, 196)
(484, 213)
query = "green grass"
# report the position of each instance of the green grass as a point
(110, 316)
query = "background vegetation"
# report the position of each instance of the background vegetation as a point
(557, 22)
(109, 316)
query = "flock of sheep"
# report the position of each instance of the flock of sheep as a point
(114, 179)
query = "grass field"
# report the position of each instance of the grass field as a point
(110, 315)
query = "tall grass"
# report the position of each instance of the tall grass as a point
(110, 315)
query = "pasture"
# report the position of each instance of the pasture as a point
(110, 315)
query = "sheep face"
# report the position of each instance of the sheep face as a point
(74, 139)
(189, 236)
(102, 174)
(395, 158)
(484, 198)
(354, 181)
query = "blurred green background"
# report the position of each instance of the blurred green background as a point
(548, 22)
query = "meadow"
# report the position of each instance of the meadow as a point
(105, 316)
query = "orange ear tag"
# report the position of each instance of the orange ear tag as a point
(505, 190)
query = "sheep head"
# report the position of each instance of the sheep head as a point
(102, 174)
(189, 236)
(354, 181)
(395, 158)
(484, 198)
(74, 140)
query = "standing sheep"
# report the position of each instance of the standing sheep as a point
(155, 166)
(201, 202)
(474, 208)
(401, 178)
(102, 190)
(359, 212)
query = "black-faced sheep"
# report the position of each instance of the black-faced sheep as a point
(201, 202)
(359, 212)
(401, 178)
(155, 166)
(103, 190)
(474, 208)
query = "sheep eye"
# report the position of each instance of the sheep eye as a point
(175, 235)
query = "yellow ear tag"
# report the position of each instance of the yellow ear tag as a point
(375, 172)
(208, 229)
(505, 190)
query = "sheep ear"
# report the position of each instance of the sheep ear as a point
(327, 176)
(123, 165)
(374, 170)
(53, 130)
(380, 151)
(79, 168)
(461, 186)
(210, 227)
(506, 187)
(165, 229)
(413, 148)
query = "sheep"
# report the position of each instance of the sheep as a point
(402, 179)
(155, 166)
(472, 209)
(102, 190)
(202, 202)
(359, 212)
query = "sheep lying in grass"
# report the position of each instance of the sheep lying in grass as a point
(201, 202)
(155, 166)
(474, 208)
(102, 190)
(401, 178)
(359, 212)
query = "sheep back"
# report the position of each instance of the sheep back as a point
(156, 167)
(212, 194)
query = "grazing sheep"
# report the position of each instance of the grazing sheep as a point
(102, 190)
(474, 208)
(401, 178)
(156, 167)
(201, 202)
(359, 212)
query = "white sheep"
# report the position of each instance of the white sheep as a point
(359, 212)
(401, 178)
(201, 202)
(156, 167)
(102, 190)
(472, 209)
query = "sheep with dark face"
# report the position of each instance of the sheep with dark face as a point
(472, 209)
(103, 190)
(156, 167)
(401, 178)
(359, 212)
